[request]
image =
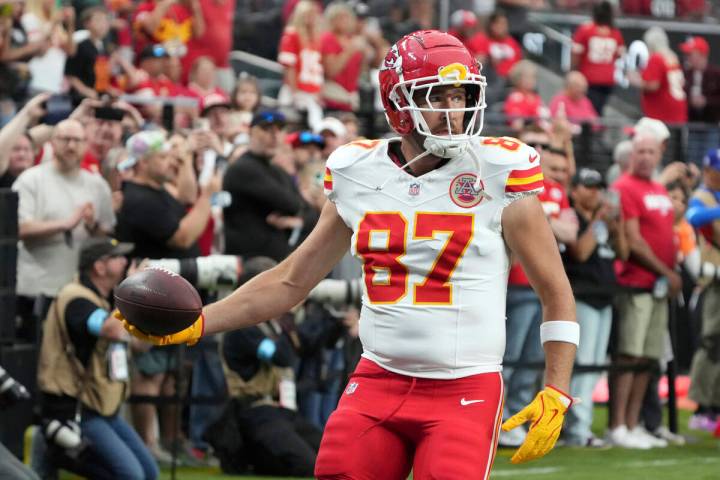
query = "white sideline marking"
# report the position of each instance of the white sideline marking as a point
(650, 463)
(530, 471)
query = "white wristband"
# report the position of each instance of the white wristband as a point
(560, 331)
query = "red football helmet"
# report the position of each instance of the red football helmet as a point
(424, 60)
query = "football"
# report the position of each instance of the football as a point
(158, 301)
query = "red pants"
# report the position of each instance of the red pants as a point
(387, 424)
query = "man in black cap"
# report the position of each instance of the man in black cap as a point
(83, 372)
(266, 205)
(589, 263)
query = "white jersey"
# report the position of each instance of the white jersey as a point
(435, 264)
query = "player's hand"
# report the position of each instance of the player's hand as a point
(546, 412)
(191, 335)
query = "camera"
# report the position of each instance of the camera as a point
(57, 108)
(11, 392)
(338, 293)
(211, 272)
(67, 435)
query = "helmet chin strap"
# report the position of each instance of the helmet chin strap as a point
(445, 148)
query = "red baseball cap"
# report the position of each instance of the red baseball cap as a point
(213, 100)
(695, 44)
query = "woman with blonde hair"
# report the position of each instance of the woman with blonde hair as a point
(662, 82)
(523, 103)
(300, 55)
(343, 56)
(44, 20)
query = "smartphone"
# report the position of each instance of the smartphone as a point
(612, 197)
(57, 108)
(109, 113)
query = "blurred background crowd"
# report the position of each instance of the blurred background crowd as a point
(195, 133)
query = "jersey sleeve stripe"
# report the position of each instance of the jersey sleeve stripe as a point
(327, 180)
(525, 187)
(525, 173)
(524, 181)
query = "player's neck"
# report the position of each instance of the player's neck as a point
(409, 150)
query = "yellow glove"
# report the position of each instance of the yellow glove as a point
(546, 412)
(191, 335)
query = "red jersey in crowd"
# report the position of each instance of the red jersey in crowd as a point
(161, 86)
(667, 103)
(577, 111)
(304, 59)
(598, 47)
(524, 105)
(348, 76)
(504, 53)
(649, 203)
(478, 44)
(175, 27)
(216, 42)
(554, 200)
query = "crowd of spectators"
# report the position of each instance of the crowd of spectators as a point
(125, 120)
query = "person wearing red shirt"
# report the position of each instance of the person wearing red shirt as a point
(596, 46)
(523, 103)
(464, 27)
(301, 58)
(215, 42)
(153, 63)
(504, 50)
(171, 23)
(573, 101)
(642, 307)
(662, 82)
(343, 55)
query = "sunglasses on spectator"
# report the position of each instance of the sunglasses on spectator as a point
(307, 138)
(539, 146)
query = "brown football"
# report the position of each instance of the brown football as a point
(158, 301)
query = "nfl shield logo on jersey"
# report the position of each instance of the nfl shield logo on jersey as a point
(414, 190)
(463, 192)
(351, 388)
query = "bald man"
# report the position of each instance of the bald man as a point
(60, 205)
(573, 100)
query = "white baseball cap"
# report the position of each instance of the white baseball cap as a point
(333, 125)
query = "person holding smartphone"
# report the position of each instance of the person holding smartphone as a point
(589, 266)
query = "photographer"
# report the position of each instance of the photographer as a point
(12, 392)
(83, 373)
(259, 365)
(589, 266)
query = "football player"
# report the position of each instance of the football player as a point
(432, 215)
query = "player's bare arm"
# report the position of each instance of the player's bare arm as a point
(278, 290)
(539, 256)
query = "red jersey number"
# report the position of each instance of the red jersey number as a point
(382, 241)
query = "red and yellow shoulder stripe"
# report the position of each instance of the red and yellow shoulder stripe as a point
(327, 180)
(524, 180)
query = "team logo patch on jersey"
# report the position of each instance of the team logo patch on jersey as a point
(463, 192)
(414, 189)
(351, 388)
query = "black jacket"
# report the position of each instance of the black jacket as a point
(710, 88)
(258, 188)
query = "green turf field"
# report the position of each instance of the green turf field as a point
(698, 460)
